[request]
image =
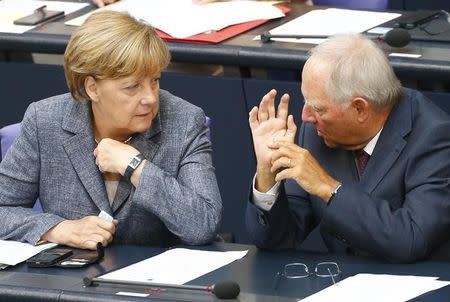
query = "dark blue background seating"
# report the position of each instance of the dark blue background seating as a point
(225, 100)
(7, 136)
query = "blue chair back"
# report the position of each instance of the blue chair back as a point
(354, 4)
(7, 136)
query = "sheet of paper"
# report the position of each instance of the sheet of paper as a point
(175, 266)
(182, 18)
(13, 252)
(329, 22)
(11, 10)
(377, 287)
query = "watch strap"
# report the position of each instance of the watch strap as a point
(134, 163)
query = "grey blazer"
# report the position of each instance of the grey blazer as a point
(177, 199)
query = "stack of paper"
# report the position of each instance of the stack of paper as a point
(176, 266)
(374, 287)
(182, 19)
(327, 22)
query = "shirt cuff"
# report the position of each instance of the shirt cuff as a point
(265, 201)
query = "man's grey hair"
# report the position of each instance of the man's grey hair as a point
(358, 68)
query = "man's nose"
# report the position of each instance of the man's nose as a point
(307, 114)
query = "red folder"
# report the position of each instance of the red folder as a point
(221, 35)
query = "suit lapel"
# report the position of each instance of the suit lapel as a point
(79, 149)
(389, 146)
(148, 144)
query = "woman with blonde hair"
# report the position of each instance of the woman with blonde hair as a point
(116, 143)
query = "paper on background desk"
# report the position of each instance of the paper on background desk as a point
(13, 252)
(175, 266)
(11, 10)
(376, 288)
(182, 18)
(329, 22)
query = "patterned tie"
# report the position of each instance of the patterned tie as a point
(362, 158)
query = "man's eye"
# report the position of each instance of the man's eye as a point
(317, 109)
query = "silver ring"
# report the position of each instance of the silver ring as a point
(289, 163)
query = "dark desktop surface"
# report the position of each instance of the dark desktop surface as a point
(254, 273)
(244, 52)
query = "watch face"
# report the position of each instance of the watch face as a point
(134, 162)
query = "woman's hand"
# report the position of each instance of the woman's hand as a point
(83, 233)
(113, 156)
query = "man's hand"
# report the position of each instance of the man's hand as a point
(113, 156)
(266, 124)
(294, 162)
(83, 233)
(101, 3)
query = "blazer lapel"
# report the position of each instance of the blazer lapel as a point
(79, 149)
(147, 143)
(389, 146)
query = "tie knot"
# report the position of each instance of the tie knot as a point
(362, 157)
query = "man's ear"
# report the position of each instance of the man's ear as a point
(362, 108)
(90, 85)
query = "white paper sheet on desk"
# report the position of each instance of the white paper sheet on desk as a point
(331, 21)
(13, 252)
(11, 10)
(182, 19)
(376, 288)
(175, 266)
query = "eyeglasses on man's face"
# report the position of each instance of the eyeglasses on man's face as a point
(300, 270)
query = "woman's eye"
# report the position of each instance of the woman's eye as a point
(134, 86)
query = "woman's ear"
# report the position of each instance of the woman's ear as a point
(362, 108)
(90, 85)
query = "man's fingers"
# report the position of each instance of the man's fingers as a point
(291, 129)
(271, 103)
(281, 163)
(263, 113)
(284, 145)
(283, 107)
(253, 118)
(283, 174)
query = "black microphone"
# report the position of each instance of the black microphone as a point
(396, 37)
(222, 290)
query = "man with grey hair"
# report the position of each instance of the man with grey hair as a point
(371, 169)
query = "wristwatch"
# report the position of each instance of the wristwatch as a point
(334, 192)
(134, 163)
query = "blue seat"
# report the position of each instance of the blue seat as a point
(354, 4)
(7, 136)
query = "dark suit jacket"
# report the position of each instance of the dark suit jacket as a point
(398, 210)
(177, 199)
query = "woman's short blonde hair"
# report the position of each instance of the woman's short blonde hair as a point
(112, 45)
